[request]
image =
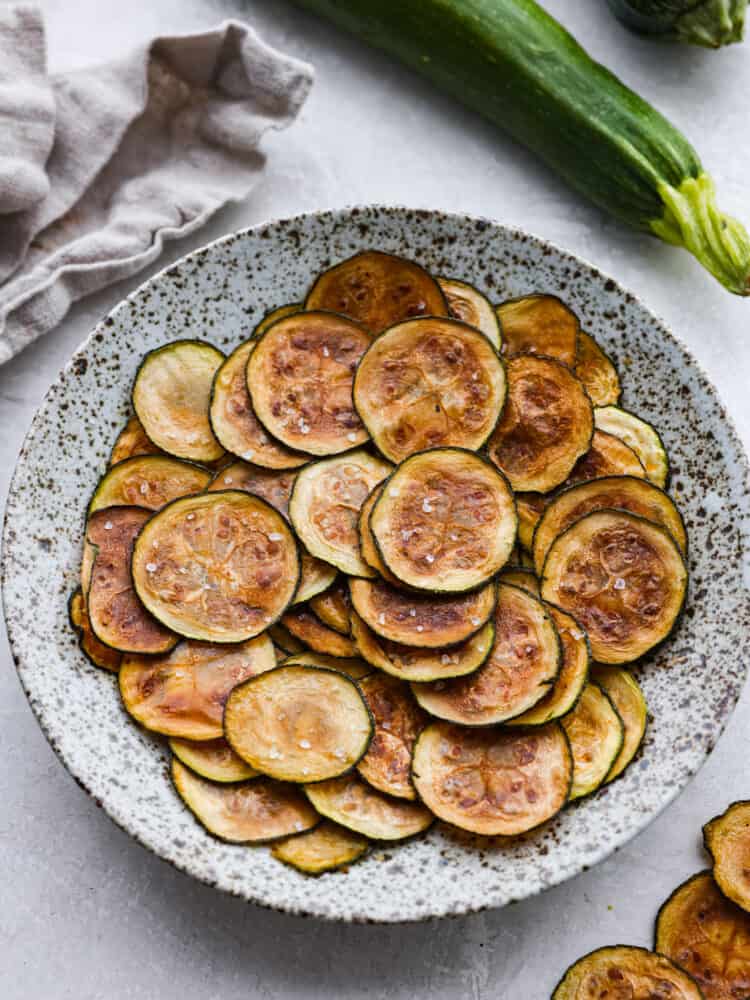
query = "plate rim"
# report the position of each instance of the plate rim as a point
(563, 873)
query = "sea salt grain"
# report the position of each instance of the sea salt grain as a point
(351, 436)
(305, 744)
(392, 491)
(151, 567)
(430, 558)
(108, 525)
(386, 725)
(326, 352)
(340, 753)
(274, 536)
(420, 628)
(381, 619)
(274, 753)
(299, 825)
(426, 506)
(412, 612)
(453, 538)
(144, 488)
(619, 583)
(248, 455)
(190, 517)
(445, 659)
(228, 480)
(476, 621)
(577, 634)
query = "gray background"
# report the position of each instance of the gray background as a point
(86, 913)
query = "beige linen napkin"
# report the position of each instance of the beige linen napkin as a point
(103, 165)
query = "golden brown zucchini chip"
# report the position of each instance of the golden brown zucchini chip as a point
(638, 496)
(280, 312)
(327, 847)
(149, 481)
(445, 521)
(285, 641)
(352, 666)
(315, 577)
(251, 812)
(596, 371)
(428, 383)
(300, 376)
(310, 630)
(638, 435)
(299, 723)
(574, 672)
(596, 735)
(325, 506)
(333, 606)
(272, 485)
(546, 426)
(607, 456)
(183, 692)
(378, 290)
(212, 759)
(233, 418)
(707, 936)
(520, 669)
(171, 394)
(627, 972)
(358, 806)
(622, 577)
(116, 615)
(530, 507)
(100, 655)
(398, 721)
(493, 782)
(367, 547)
(727, 840)
(410, 663)
(467, 304)
(423, 620)
(539, 324)
(520, 576)
(220, 567)
(625, 694)
(131, 441)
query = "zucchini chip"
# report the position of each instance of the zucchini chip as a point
(445, 521)
(325, 505)
(333, 607)
(530, 507)
(280, 312)
(298, 723)
(629, 493)
(638, 435)
(212, 759)
(149, 481)
(233, 419)
(171, 394)
(622, 577)
(492, 782)
(300, 376)
(220, 567)
(574, 672)
(427, 383)
(352, 666)
(546, 426)
(421, 620)
(183, 692)
(410, 663)
(626, 695)
(251, 812)
(539, 324)
(398, 721)
(310, 630)
(315, 577)
(704, 933)
(367, 547)
(596, 371)
(727, 840)
(596, 735)
(468, 305)
(607, 456)
(131, 441)
(358, 806)
(520, 576)
(100, 655)
(522, 666)
(327, 847)
(285, 641)
(627, 972)
(272, 485)
(377, 290)
(116, 615)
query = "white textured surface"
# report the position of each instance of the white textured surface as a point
(86, 913)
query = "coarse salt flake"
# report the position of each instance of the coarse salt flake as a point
(108, 526)
(326, 352)
(430, 558)
(151, 567)
(577, 634)
(393, 491)
(476, 621)
(381, 619)
(426, 506)
(305, 744)
(274, 536)
(274, 753)
(248, 455)
(619, 583)
(144, 488)
(228, 480)
(412, 612)
(420, 628)
(386, 725)
(351, 436)
(191, 517)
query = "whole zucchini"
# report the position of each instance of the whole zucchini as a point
(514, 64)
(711, 23)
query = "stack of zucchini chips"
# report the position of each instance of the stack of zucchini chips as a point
(383, 563)
(702, 937)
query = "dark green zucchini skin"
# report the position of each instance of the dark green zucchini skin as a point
(515, 65)
(711, 23)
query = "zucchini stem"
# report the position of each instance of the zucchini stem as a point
(692, 220)
(712, 23)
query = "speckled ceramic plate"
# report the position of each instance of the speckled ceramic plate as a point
(219, 293)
